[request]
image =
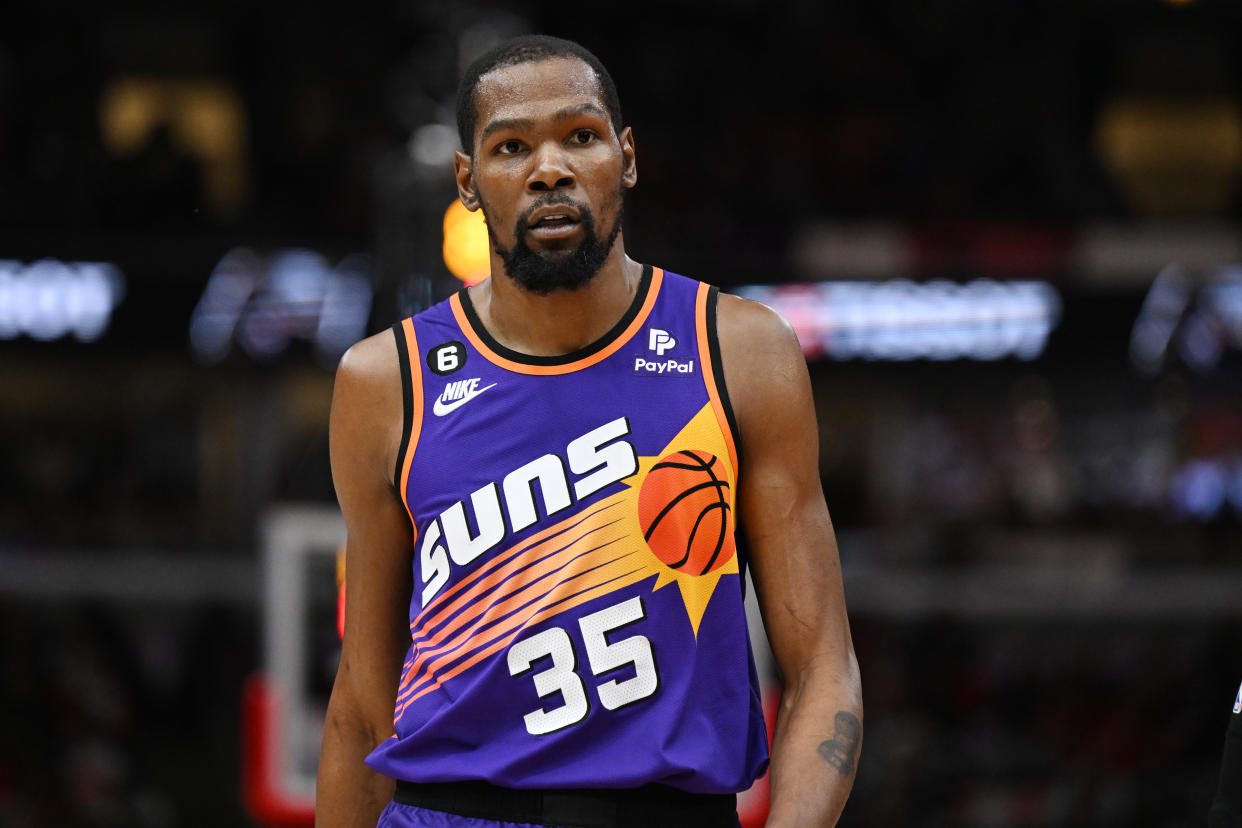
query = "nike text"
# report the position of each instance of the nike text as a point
(457, 394)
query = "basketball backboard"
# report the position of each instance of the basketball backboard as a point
(284, 704)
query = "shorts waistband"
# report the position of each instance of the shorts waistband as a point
(646, 807)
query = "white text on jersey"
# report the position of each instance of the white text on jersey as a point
(600, 456)
(664, 367)
(458, 393)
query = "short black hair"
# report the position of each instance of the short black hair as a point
(527, 49)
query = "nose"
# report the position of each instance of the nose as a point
(551, 170)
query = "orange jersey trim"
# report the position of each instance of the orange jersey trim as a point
(657, 278)
(416, 415)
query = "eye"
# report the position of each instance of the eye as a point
(510, 147)
(582, 137)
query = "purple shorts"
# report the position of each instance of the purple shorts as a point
(397, 815)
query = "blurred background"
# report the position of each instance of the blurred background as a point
(1009, 236)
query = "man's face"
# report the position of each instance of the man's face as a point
(548, 171)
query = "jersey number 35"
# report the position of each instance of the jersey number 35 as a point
(562, 677)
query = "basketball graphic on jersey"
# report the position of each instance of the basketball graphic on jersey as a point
(683, 508)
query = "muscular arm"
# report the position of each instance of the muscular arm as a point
(797, 571)
(364, 434)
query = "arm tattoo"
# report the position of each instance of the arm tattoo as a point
(840, 749)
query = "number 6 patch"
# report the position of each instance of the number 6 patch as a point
(446, 358)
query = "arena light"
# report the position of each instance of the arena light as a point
(467, 249)
(265, 302)
(900, 320)
(1196, 314)
(51, 299)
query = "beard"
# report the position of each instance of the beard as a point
(542, 272)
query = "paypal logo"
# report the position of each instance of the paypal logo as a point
(660, 341)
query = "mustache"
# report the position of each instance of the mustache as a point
(550, 200)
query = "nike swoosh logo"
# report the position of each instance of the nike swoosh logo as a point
(441, 407)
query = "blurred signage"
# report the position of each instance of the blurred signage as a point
(51, 299)
(1197, 316)
(901, 320)
(263, 303)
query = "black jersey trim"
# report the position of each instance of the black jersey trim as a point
(713, 345)
(640, 298)
(722, 391)
(407, 404)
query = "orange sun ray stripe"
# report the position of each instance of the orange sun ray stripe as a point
(498, 611)
(416, 415)
(532, 587)
(458, 611)
(501, 616)
(523, 576)
(709, 378)
(570, 602)
(491, 650)
(406, 667)
(657, 278)
(514, 622)
(511, 625)
(502, 557)
(497, 616)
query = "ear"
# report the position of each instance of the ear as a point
(629, 162)
(463, 171)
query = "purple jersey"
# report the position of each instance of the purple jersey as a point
(577, 609)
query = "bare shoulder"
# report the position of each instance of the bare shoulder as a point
(760, 354)
(367, 406)
(738, 317)
(369, 374)
(371, 360)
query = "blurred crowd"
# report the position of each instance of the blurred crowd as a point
(121, 717)
(1042, 724)
(751, 119)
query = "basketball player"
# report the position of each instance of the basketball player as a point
(561, 457)
(1226, 809)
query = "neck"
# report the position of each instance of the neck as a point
(563, 321)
